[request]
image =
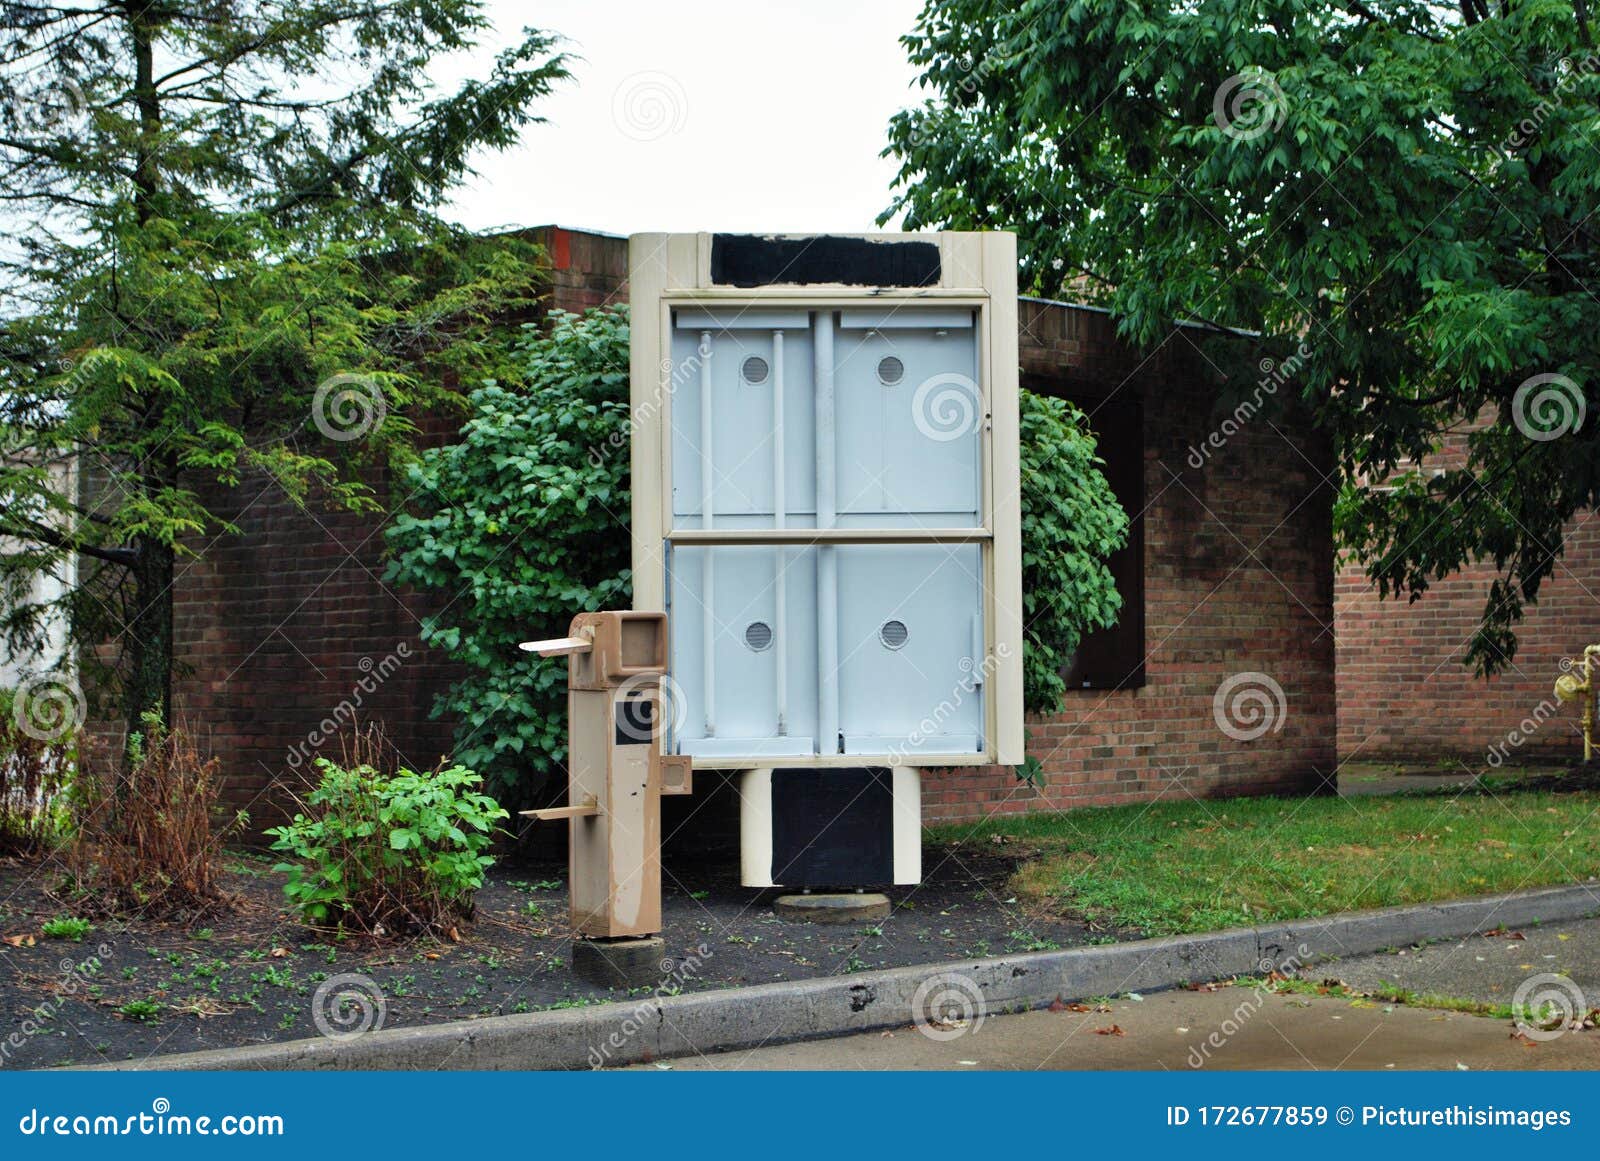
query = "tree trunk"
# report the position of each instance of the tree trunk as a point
(149, 685)
(149, 679)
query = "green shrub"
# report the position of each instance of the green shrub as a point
(390, 854)
(1071, 523)
(523, 523)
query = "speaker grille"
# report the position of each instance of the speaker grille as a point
(758, 635)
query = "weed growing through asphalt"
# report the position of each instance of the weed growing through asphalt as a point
(66, 927)
(140, 1011)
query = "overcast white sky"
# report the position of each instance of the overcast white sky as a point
(705, 114)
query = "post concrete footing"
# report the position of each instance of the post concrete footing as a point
(620, 963)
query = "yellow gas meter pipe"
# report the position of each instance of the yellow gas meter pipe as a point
(1578, 683)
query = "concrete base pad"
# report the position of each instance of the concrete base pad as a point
(862, 908)
(619, 963)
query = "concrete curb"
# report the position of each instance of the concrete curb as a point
(718, 1021)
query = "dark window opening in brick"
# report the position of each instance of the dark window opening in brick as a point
(1114, 658)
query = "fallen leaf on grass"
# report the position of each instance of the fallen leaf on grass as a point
(455, 936)
(281, 952)
(1114, 1030)
(19, 941)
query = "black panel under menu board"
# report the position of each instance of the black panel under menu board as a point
(832, 827)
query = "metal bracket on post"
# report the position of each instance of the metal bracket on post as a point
(677, 773)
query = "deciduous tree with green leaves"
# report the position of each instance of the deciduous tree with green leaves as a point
(1408, 189)
(225, 262)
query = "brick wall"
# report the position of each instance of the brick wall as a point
(1405, 694)
(282, 625)
(1238, 579)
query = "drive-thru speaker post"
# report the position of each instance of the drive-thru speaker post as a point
(826, 507)
(617, 772)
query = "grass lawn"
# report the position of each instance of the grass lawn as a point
(1173, 867)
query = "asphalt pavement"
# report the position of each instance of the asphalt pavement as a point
(1248, 1027)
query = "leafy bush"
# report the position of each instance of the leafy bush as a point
(36, 764)
(1071, 522)
(144, 841)
(399, 853)
(524, 524)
